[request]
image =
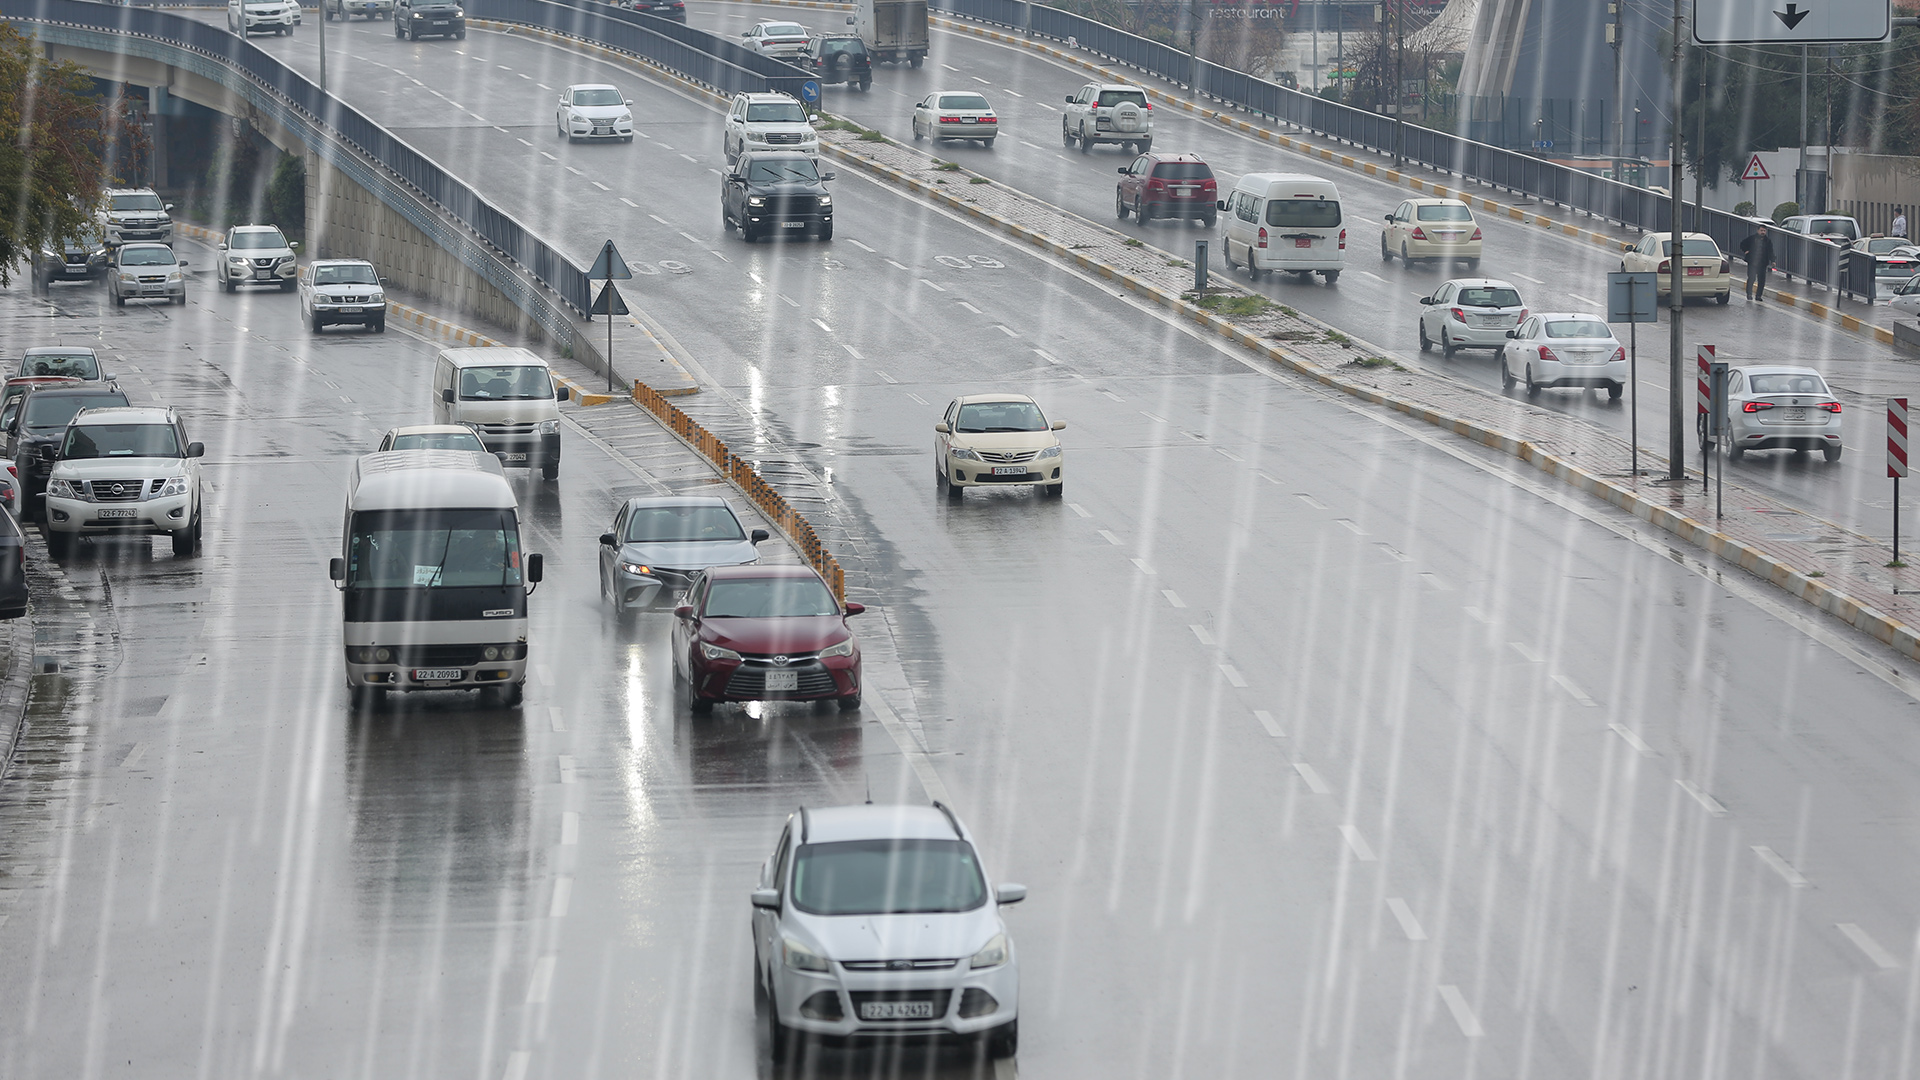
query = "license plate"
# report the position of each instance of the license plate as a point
(969, 119)
(263, 274)
(118, 514)
(1303, 242)
(1009, 470)
(783, 680)
(439, 22)
(896, 1010)
(603, 131)
(1485, 322)
(436, 674)
(349, 311)
(513, 457)
(792, 224)
(1792, 415)
(1696, 271)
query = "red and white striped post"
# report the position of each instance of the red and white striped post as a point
(1896, 459)
(1703, 401)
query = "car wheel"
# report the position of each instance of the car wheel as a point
(1506, 374)
(1386, 253)
(914, 63)
(918, 135)
(1145, 210)
(1004, 1041)
(1403, 254)
(550, 471)
(1086, 144)
(59, 544)
(1832, 452)
(1226, 251)
(1209, 219)
(700, 706)
(867, 84)
(1614, 392)
(506, 696)
(398, 32)
(379, 326)
(1426, 343)
(747, 233)
(1066, 137)
(1120, 208)
(182, 542)
(1054, 491)
(461, 36)
(1533, 388)
(826, 231)
(988, 141)
(227, 285)
(1332, 276)
(779, 1036)
(1473, 264)
(1736, 452)
(118, 300)
(1446, 345)
(954, 491)
(286, 284)
(850, 703)
(1723, 298)
(316, 324)
(181, 299)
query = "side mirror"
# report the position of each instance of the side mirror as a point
(1426, 299)
(1069, 101)
(1122, 170)
(1389, 218)
(337, 569)
(195, 449)
(758, 535)
(1009, 893)
(169, 206)
(48, 452)
(446, 394)
(293, 245)
(382, 281)
(1513, 333)
(109, 377)
(684, 611)
(608, 539)
(856, 609)
(942, 428)
(221, 247)
(767, 898)
(1220, 205)
(629, 101)
(1059, 425)
(826, 176)
(536, 568)
(566, 393)
(183, 264)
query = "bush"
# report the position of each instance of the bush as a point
(1745, 209)
(287, 195)
(1785, 210)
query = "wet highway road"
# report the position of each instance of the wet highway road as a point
(1323, 743)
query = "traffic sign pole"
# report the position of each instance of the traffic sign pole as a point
(1703, 404)
(1896, 459)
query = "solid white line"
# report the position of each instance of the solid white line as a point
(1111, 539)
(1780, 866)
(823, 326)
(1358, 843)
(1639, 745)
(1457, 1005)
(1201, 633)
(1535, 280)
(1232, 673)
(1173, 598)
(1521, 648)
(1309, 500)
(555, 720)
(1879, 956)
(1409, 925)
(1572, 688)
(861, 246)
(1267, 721)
(929, 284)
(1078, 509)
(1348, 522)
(970, 307)
(542, 980)
(517, 1065)
(562, 898)
(570, 828)
(1712, 804)
(1312, 776)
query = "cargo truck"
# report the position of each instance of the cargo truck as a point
(894, 30)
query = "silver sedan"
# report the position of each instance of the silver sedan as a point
(955, 114)
(1469, 313)
(1564, 349)
(657, 544)
(1776, 407)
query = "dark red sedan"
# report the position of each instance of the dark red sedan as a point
(1167, 186)
(765, 633)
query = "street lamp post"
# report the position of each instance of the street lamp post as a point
(323, 44)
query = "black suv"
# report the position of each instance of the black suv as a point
(417, 18)
(70, 259)
(838, 58)
(776, 191)
(41, 421)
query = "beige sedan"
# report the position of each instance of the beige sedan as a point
(1705, 270)
(986, 440)
(1431, 229)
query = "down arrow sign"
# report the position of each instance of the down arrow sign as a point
(1792, 15)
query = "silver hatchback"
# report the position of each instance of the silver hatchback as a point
(1469, 313)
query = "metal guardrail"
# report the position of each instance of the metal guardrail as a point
(710, 59)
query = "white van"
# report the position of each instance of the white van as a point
(506, 395)
(1283, 221)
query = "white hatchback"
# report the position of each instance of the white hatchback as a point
(880, 922)
(1564, 349)
(1469, 313)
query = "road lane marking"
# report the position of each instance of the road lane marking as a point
(517, 1065)
(1780, 866)
(629, 202)
(1436, 581)
(979, 80)
(570, 828)
(1394, 552)
(542, 983)
(951, 68)
(1173, 598)
(1639, 745)
(790, 300)
(691, 158)
(1233, 674)
(1348, 522)
(1573, 688)
(1044, 355)
(930, 285)
(970, 307)
(895, 265)
(566, 768)
(689, 236)
(1201, 633)
(562, 897)
(1371, 274)
(1007, 330)
(1535, 280)
(554, 718)
(523, 142)
(1711, 804)
(1361, 850)
(1403, 914)
(546, 155)
(1031, 146)
(1530, 656)
(134, 755)
(1078, 509)
(1477, 615)
(861, 246)
(883, 374)
(1584, 300)
(575, 171)
(1312, 776)
(918, 398)
(1879, 956)
(599, 185)
(1111, 539)
(1152, 417)
(823, 326)
(1267, 721)
(1309, 500)
(1457, 1004)
(661, 220)
(1141, 565)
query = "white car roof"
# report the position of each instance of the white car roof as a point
(256, 228)
(679, 500)
(431, 429)
(493, 356)
(975, 399)
(1777, 369)
(124, 414)
(427, 480)
(885, 822)
(1479, 283)
(339, 262)
(592, 86)
(1564, 316)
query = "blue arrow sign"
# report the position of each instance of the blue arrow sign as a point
(810, 91)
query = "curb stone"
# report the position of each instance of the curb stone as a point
(16, 683)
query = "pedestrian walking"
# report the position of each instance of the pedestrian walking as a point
(1757, 250)
(1899, 228)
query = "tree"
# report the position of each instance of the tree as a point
(51, 164)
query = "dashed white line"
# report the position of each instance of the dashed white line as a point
(895, 265)
(517, 1065)
(1403, 915)
(562, 898)
(542, 983)
(1267, 721)
(570, 828)
(566, 769)
(979, 80)
(1477, 615)
(970, 307)
(689, 236)
(791, 302)
(883, 375)
(1152, 417)
(1711, 804)
(1584, 300)
(555, 719)
(1228, 454)
(1393, 552)
(918, 398)
(543, 86)
(661, 220)
(599, 185)
(1233, 675)
(1201, 633)
(629, 202)
(929, 284)
(1457, 1004)
(1012, 93)
(1007, 330)
(546, 155)
(1078, 509)
(1361, 850)
(1047, 107)
(1031, 146)
(134, 755)
(1173, 598)
(1780, 866)
(1573, 689)
(1436, 581)
(1631, 738)
(1141, 565)
(1312, 776)
(691, 158)
(823, 326)
(1111, 539)
(951, 68)
(1880, 957)
(1526, 652)
(1355, 529)
(523, 142)
(1044, 355)
(1309, 500)
(1535, 280)
(1371, 274)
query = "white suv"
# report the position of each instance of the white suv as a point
(1108, 113)
(255, 255)
(767, 122)
(121, 470)
(135, 214)
(246, 16)
(879, 921)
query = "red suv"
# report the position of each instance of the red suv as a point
(1167, 185)
(765, 633)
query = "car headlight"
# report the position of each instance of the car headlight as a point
(800, 958)
(378, 298)
(625, 118)
(60, 489)
(128, 277)
(175, 485)
(1049, 452)
(756, 200)
(965, 454)
(715, 652)
(637, 568)
(369, 654)
(459, 13)
(825, 200)
(755, 136)
(844, 648)
(549, 427)
(237, 260)
(176, 276)
(808, 136)
(992, 955)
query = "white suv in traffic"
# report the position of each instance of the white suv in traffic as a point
(767, 122)
(135, 214)
(124, 470)
(879, 921)
(1108, 113)
(246, 16)
(256, 255)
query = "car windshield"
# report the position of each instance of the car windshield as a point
(1000, 416)
(1833, 227)
(1801, 383)
(1884, 245)
(1182, 170)
(887, 877)
(146, 256)
(257, 240)
(350, 274)
(605, 95)
(785, 29)
(1578, 328)
(1110, 98)
(1488, 296)
(135, 202)
(770, 598)
(798, 170)
(777, 112)
(74, 365)
(1691, 246)
(683, 525)
(1443, 213)
(46, 412)
(852, 47)
(1303, 213)
(964, 101)
(437, 549)
(517, 383)
(439, 440)
(122, 440)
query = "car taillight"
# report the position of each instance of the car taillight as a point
(1756, 406)
(989, 119)
(1154, 183)
(1263, 237)
(1476, 232)
(1522, 316)
(1620, 354)
(949, 119)
(1726, 265)
(1547, 354)
(1666, 266)
(1417, 234)
(1830, 406)
(1343, 239)
(1459, 316)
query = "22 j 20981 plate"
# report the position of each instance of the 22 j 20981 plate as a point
(435, 674)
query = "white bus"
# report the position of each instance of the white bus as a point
(434, 585)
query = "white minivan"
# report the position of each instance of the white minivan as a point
(1285, 221)
(507, 396)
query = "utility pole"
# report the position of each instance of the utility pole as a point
(1800, 177)
(1676, 386)
(1615, 35)
(323, 43)
(1700, 146)
(1399, 9)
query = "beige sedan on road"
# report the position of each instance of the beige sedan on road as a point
(1706, 270)
(983, 440)
(1431, 229)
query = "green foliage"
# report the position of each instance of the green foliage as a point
(287, 195)
(945, 166)
(872, 136)
(1744, 209)
(1785, 210)
(1234, 305)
